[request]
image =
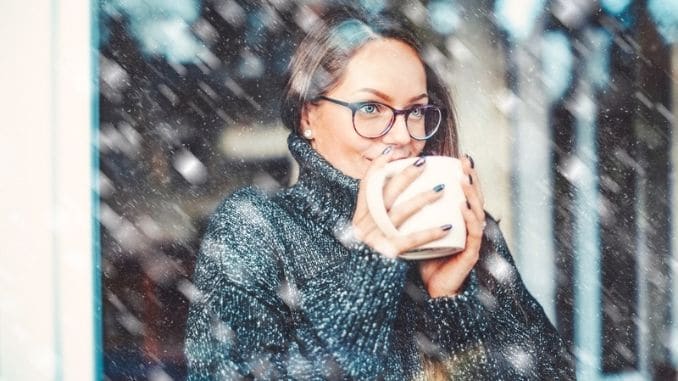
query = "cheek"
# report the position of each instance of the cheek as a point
(417, 147)
(355, 150)
(335, 121)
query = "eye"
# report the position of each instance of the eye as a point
(369, 108)
(417, 112)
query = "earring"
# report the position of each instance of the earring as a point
(308, 134)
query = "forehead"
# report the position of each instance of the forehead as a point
(388, 65)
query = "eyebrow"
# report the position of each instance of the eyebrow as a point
(387, 98)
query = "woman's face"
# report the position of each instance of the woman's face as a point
(387, 71)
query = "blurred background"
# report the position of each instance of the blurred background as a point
(567, 106)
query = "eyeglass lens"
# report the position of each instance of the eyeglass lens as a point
(372, 119)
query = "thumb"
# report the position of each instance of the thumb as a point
(378, 163)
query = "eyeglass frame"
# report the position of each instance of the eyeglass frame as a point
(354, 106)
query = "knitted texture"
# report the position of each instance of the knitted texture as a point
(283, 292)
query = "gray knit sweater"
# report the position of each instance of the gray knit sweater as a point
(283, 294)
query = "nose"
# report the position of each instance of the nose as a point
(398, 134)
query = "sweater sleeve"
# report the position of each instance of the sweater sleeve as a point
(238, 324)
(458, 329)
(241, 324)
(495, 329)
(525, 343)
(353, 305)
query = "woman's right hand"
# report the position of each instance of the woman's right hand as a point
(364, 226)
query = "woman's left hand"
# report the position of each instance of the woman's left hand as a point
(445, 276)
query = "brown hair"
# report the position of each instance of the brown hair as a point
(322, 56)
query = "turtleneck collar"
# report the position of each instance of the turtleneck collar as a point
(323, 193)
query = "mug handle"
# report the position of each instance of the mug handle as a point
(375, 196)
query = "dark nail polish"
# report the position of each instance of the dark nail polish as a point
(468, 204)
(470, 179)
(387, 150)
(446, 227)
(470, 159)
(420, 162)
(439, 187)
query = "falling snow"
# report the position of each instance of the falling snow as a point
(189, 99)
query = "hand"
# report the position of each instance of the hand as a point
(367, 231)
(445, 276)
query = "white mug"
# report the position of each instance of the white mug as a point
(446, 210)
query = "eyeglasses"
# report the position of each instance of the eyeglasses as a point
(373, 119)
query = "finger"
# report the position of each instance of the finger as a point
(468, 167)
(428, 267)
(386, 248)
(461, 264)
(361, 209)
(450, 276)
(398, 183)
(474, 223)
(420, 238)
(465, 260)
(379, 161)
(473, 201)
(405, 210)
(363, 229)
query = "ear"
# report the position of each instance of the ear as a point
(305, 122)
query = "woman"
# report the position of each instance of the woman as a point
(303, 285)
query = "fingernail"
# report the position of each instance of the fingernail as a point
(470, 159)
(468, 204)
(439, 187)
(420, 162)
(387, 150)
(446, 227)
(470, 179)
